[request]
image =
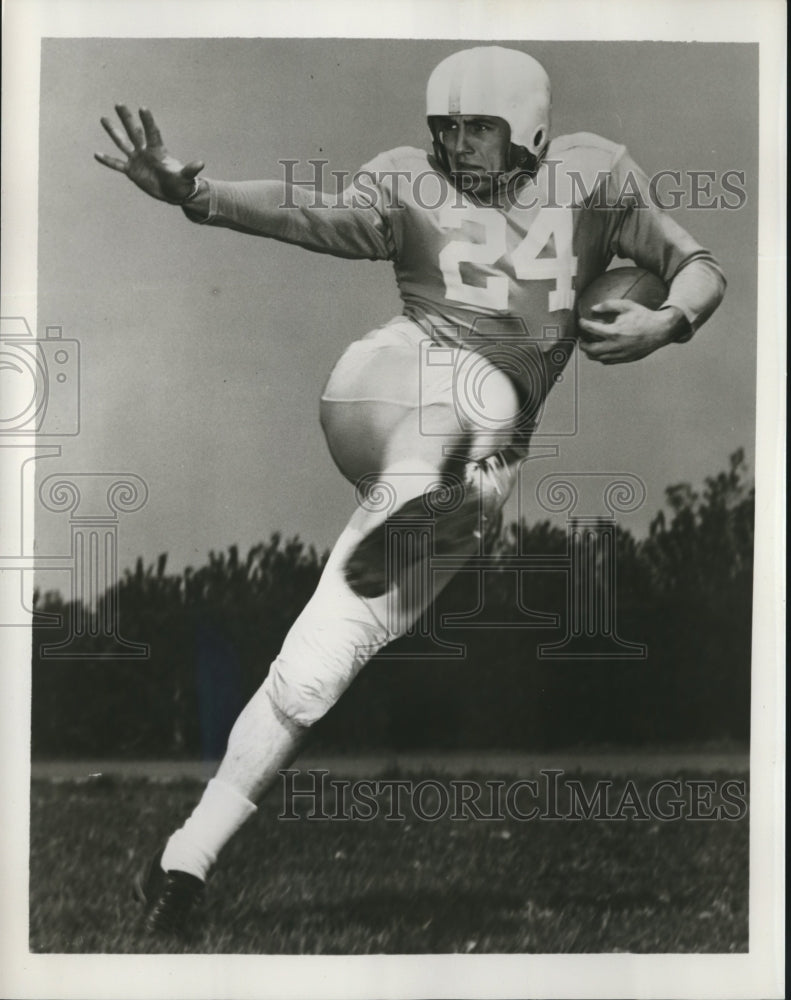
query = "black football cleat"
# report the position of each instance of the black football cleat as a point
(457, 523)
(172, 900)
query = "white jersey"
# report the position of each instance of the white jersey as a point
(477, 275)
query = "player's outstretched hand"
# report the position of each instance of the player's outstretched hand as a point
(146, 162)
(634, 333)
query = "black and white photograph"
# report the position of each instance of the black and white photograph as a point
(393, 504)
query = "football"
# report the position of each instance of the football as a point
(633, 283)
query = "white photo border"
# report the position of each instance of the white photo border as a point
(758, 973)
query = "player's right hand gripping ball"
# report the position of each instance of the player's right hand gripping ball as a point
(632, 283)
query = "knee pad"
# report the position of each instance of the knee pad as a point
(321, 656)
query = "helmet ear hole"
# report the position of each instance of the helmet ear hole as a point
(538, 139)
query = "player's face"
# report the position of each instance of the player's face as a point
(477, 147)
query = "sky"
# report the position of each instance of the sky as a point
(203, 352)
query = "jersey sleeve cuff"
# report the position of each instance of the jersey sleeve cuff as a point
(203, 207)
(687, 329)
(696, 291)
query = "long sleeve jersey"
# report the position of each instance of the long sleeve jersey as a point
(469, 273)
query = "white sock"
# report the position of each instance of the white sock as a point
(216, 818)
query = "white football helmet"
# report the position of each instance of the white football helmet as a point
(499, 83)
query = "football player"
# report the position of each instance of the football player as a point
(490, 237)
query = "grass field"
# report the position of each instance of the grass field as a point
(411, 886)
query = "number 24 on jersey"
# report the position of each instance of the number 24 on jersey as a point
(550, 224)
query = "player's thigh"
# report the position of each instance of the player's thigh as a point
(338, 632)
(377, 387)
(358, 433)
(382, 382)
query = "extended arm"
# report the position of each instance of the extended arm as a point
(340, 226)
(303, 215)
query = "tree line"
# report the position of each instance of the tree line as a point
(472, 675)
